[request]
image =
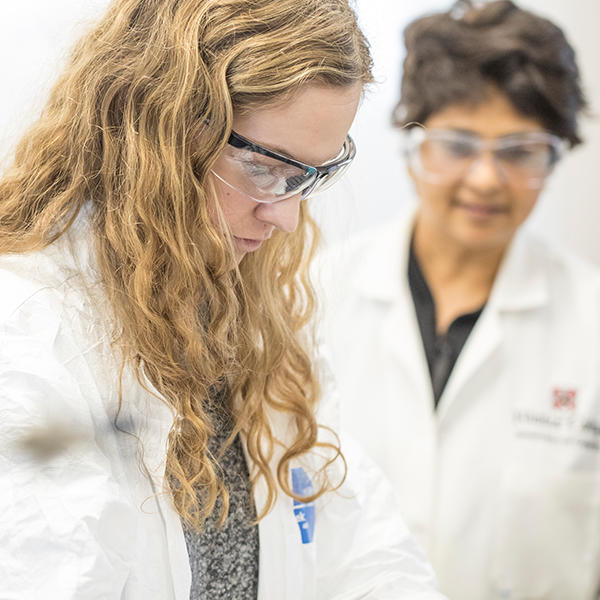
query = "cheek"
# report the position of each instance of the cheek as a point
(233, 206)
(524, 203)
(433, 198)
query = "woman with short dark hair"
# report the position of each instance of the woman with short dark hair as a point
(455, 56)
(467, 350)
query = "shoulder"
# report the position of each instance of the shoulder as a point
(29, 280)
(538, 273)
(366, 259)
(51, 284)
(565, 269)
(373, 240)
(55, 340)
(65, 478)
(41, 304)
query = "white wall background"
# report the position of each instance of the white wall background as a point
(35, 39)
(35, 36)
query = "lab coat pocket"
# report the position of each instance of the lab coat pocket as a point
(547, 539)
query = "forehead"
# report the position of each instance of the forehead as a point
(310, 127)
(494, 116)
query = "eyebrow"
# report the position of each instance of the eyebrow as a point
(473, 133)
(312, 164)
(266, 146)
(287, 154)
(280, 150)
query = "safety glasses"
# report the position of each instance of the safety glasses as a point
(268, 176)
(445, 156)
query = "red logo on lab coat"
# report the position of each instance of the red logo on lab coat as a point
(564, 399)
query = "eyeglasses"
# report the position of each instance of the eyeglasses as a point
(268, 176)
(445, 155)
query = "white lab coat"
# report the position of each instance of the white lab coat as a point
(84, 517)
(501, 484)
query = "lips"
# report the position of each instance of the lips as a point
(248, 244)
(482, 211)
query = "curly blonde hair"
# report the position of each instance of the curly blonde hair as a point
(132, 127)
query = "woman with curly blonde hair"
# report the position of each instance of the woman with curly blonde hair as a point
(161, 400)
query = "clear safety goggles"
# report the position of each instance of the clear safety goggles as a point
(268, 176)
(446, 155)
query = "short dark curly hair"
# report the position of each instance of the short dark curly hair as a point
(454, 56)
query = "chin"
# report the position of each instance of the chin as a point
(485, 240)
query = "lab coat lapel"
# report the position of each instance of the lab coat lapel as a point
(159, 419)
(483, 342)
(287, 568)
(279, 567)
(383, 279)
(402, 340)
(520, 285)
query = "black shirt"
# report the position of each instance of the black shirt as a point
(443, 350)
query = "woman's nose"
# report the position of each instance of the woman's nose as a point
(282, 214)
(485, 174)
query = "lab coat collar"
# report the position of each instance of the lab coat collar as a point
(382, 277)
(382, 273)
(521, 283)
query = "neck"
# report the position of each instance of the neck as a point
(460, 278)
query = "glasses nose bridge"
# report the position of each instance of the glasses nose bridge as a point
(486, 150)
(485, 147)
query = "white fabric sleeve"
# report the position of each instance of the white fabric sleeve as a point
(375, 557)
(369, 553)
(58, 490)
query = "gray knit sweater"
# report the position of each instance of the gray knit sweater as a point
(224, 561)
